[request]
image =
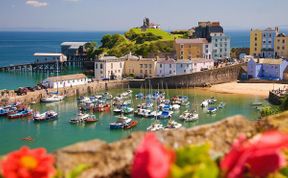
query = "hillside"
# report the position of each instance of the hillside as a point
(149, 42)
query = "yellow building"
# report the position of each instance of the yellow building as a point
(188, 49)
(281, 45)
(255, 42)
(139, 67)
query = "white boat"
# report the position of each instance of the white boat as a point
(221, 105)
(212, 100)
(211, 110)
(175, 107)
(205, 104)
(155, 126)
(80, 119)
(173, 125)
(49, 115)
(189, 116)
(143, 112)
(52, 98)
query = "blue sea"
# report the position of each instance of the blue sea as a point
(18, 47)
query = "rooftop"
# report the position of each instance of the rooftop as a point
(191, 41)
(48, 54)
(166, 61)
(66, 77)
(201, 60)
(73, 43)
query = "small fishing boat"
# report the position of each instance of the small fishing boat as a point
(21, 114)
(189, 116)
(52, 98)
(102, 108)
(155, 126)
(212, 110)
(117, 110)
(173, 125)
(166, 114)
(79, 119)
(139, 96)
(205, 104)
(27, 139)
(107, 96)
(127, 110)
(212, 100)
(175, 107)
(90, 119)
(221, 105)
(120, 123)
(49, 115)
(131, 125)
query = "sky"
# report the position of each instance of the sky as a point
(120, 15)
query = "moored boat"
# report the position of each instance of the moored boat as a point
(172, 124)
(212, 110)
(189, 116)
(21, 114)
(131, 125)
(155, 126)
(49, 115)
(52, 98)
(120, 123)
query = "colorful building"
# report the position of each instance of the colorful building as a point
(255, 43)
(165, 67)
(139, 67)
(262, 42)
(269, 69)
(268, 40)
(281, 45)
(108, 67)
(220, 46)
(188, 49)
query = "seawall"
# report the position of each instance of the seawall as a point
(10, 96)
(198, 79)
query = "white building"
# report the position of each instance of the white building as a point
(49, 57)
(202, 64)
(207, 51)
(65, 81)
(109, 67)
(184, 67)
(166, 67)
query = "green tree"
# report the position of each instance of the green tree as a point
(92, 50)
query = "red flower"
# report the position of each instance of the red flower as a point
(152, 159)
(259, 156)
(26, 163)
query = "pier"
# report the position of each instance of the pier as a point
(45, 67)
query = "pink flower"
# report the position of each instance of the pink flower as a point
(258, 156)
(152, 159)
(26, 163)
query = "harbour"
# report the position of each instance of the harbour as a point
(58, 133)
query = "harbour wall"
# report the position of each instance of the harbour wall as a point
(10, 96)
(198, 79)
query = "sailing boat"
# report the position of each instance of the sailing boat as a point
(54, 96)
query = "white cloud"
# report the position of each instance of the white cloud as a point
(36, 3)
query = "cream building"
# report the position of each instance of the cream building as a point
(109, 67)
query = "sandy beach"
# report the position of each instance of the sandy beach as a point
(255, 89)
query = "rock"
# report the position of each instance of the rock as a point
(114, 159)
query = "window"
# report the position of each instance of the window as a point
(181, 52)
(141, 65)
(101, 66)
(141, 71)
(150, 65)
(181, 57)
(145, 65)
(170, 65)
(283, 47)
(181, 46)
(255, 38)
(150, 71)
(170, 72)
(184, 71)
(120, 64)
(96, 66)
(283, 41)
(181, 65)
(111, 65)
(160, 65)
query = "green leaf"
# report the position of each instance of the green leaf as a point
(77, 171)
(194, 162)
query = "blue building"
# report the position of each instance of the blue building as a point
(269, 69)
(220, 46)
(268, 39)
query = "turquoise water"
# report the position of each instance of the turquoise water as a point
(59, 133)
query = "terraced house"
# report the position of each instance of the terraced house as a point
(139, 67)
(187, 49)
(281, 45)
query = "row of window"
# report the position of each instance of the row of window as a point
(145, 65)
(101, 66)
